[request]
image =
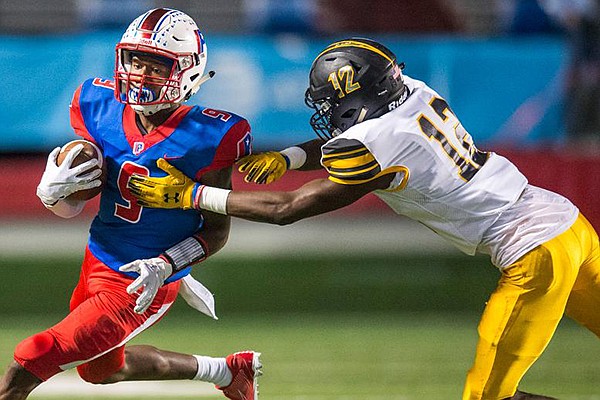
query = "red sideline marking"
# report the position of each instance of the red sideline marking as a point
(566, 172)
(19, 182)
(22, 174)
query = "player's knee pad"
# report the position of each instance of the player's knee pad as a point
(36, 354)
(35, 347)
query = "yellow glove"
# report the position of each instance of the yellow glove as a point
(172, 191)
(263, 168)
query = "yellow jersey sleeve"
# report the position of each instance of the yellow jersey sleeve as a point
(349, 162)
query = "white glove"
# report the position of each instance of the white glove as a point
(61, 181)
(153, 273)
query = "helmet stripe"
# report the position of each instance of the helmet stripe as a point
(141, 20)
(161, 21)
(354, 43)
(151, 20)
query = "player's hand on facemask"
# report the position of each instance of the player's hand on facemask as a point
(175, 190)
(153, 273)
(263, 168)
(61, 181)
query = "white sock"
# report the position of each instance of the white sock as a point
(214, 370)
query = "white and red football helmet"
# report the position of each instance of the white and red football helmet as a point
(168, 35)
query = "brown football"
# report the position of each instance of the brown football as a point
(89, 151)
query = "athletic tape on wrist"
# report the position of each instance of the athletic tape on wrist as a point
(184, 253)
(295, 155)
(211, 199)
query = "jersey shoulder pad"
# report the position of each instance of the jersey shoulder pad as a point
(349, 162)
(92, 100)
(231, 133)
(97, 90)
(95, 98)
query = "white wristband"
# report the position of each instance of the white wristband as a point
(212, 199)
(295, 155)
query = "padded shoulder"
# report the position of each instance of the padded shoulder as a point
(349, 162)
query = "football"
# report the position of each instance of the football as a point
(89, 151)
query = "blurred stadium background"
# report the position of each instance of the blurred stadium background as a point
(360, 304)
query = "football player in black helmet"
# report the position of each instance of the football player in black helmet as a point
(394, 136)
(352, 81)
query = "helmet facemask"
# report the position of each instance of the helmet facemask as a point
(144, 92)
(321, 118)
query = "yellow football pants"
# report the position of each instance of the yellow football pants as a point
(560, 276)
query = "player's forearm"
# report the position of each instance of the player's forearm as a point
(281, 208)
(215, 231)
(271, 207)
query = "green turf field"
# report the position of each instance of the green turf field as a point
(360, 356)
(377, 328)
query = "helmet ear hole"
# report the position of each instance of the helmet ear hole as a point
(357, 67)
(348, 113)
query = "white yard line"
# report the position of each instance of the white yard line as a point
(69, 385)
(388, 234)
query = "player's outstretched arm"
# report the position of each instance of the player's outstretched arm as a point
(316, 197)
(267, 167)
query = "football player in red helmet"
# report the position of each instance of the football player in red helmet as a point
(136, 263)
(392, 135)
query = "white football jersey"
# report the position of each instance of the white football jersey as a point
(443, 181)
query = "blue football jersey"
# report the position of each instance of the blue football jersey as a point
(193, 139)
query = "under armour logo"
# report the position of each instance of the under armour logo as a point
(174, 198)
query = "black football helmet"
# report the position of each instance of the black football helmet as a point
(351, 81)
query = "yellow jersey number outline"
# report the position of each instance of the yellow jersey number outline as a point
(467, 165)
(346, 74)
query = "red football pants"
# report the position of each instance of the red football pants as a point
(93, 336)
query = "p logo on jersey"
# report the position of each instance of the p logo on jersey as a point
(244, 146)
(138, 147)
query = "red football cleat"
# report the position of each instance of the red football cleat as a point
(245, 367)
